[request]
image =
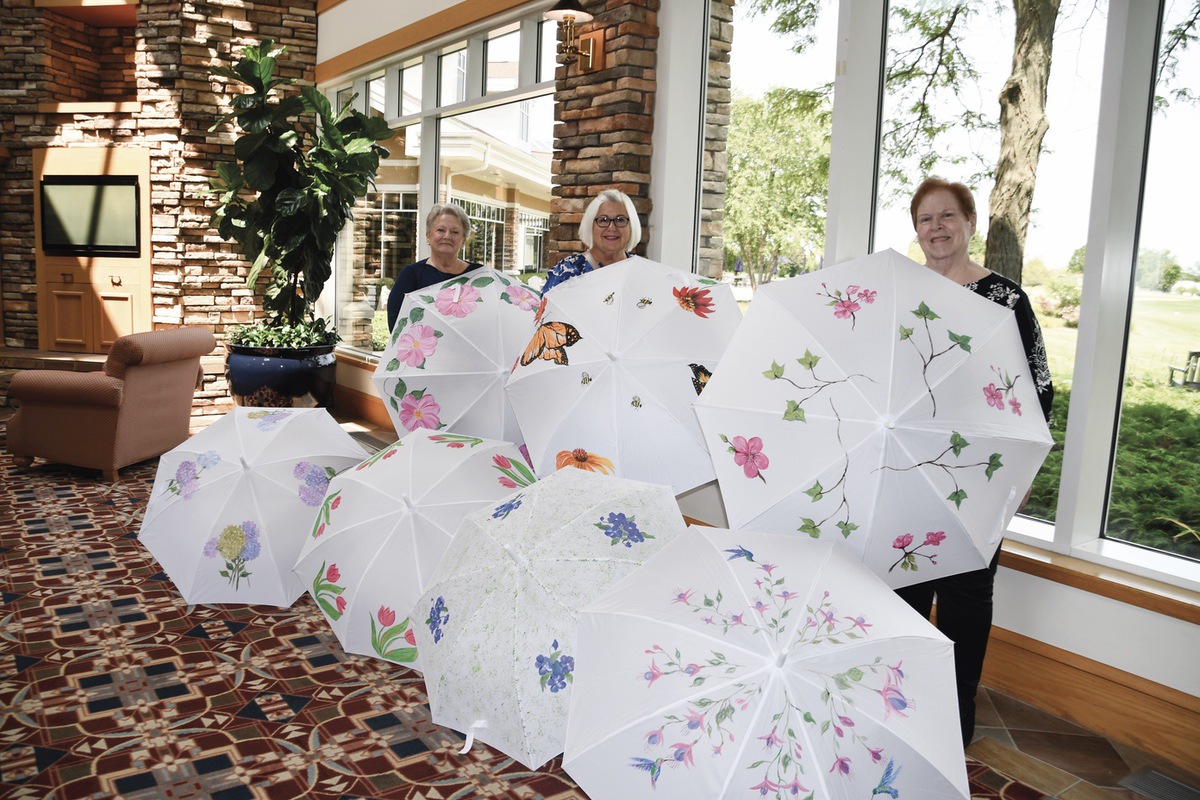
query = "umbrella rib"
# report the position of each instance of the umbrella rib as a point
(985, 337)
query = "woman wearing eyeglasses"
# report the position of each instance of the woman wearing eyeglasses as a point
(609, 229)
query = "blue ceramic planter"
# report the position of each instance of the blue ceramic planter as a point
(281, 377)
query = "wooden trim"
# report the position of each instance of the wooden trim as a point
(1120, 705)
(1124, 587)
(458, 16)
(325, 5)
(361, 406)
(100, 107)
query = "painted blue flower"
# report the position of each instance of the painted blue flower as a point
(622, 529)
(555, 669)
(209, 458)
(438, 616)
(507, 507)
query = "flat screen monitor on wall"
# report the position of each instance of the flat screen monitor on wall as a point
(91, 215)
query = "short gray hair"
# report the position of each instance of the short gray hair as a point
(453, 210)
(593, 208)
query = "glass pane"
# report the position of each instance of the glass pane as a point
(410, 89)
(1156, 478)
(777, 184)
(506, 196)
(375, 97)
(452, 71)
(547, 62)
(380, 241)
(502, 57)
(959, 139)
(342, 97)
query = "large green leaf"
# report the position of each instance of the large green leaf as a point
(290, 201)
(260, 170)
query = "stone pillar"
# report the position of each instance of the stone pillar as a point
(717, 105)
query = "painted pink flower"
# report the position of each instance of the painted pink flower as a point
(903, 541)
(694, 718)
(771, 739)
(766, 786)
(683, 597)
(748, 454)
(852, 289)
(419, 412)
(876, 754)
(768, 568)
(525, 454)
(457, 301)
(794, 786)
(995, 397)
(333, 575)
(846, 309)
(1015, 405)
(849, 723)
(654, 737)
(341, 604)
(507, 483)
(521, 297)
(692, 669)
(416, 344)
(320, 530)
(760, 606)
(786, 595)
(501, 462)
(935, 538)
(842, 765)
(410, 637)
(742, 703)
(387, 617)
(337, 501)
(454, 445)
(652, 674)
(683, 753)
(894, 701)
(859, 623)
(867, 295)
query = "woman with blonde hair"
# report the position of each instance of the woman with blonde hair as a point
(446, 230)
(609, 229)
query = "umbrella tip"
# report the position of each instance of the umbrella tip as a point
(781, 659)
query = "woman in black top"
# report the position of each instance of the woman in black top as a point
(943, 214)
(446, 229)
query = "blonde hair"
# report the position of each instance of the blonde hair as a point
(593, 209)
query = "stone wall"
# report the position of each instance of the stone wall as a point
(717, 106)
(604, 121)
(197, 279)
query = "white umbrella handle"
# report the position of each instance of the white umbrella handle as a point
(478, 724)
(457, 295)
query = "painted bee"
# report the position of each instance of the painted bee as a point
(608, 301)
(585, 379)
(636, 402)
(644, 302)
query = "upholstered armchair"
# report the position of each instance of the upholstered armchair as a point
(138, 407)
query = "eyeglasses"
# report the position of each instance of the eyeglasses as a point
(620, 222)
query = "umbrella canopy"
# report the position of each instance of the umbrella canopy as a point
(450, 352)
(384, 526)
(230, 506)
(610, 376)
(736, 664)
(882, 405)
(498, 635)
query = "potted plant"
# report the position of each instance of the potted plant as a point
(284, 201)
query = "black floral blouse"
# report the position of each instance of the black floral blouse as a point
(1006, 292)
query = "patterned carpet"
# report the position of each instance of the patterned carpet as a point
(112, 687)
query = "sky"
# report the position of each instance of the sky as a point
(761, 59)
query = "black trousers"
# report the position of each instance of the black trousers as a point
(964, 614)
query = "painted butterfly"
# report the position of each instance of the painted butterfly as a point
(700, 376)
(549, 341)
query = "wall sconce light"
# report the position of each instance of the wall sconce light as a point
(588, 50)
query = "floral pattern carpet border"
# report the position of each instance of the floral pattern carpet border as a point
(112, 686)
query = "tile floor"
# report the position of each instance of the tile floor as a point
(1052, 755)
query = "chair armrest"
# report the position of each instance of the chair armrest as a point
(59, 387)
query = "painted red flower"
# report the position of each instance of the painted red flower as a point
(332, 574)
(387, 617)
(695, 299)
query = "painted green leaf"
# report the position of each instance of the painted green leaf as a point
(393, 365)
(925, 312)
(486, 280)
(809, 526)
(963, 341)
(402, 655)
(776, 371)
(426, 298)
(809, 361)
(958, 443)
(794, 412)
(957, 496)
(993, 465)
(905, 333)
(417, 314)
(816, 491)
(847, 528)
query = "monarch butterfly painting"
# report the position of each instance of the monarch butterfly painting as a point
(549, 342)
(700, 376)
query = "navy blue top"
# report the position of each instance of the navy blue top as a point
(416, 275)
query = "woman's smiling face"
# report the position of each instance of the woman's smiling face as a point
(943, 230)
(609, 243)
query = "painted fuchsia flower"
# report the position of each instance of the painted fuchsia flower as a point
(416, 344)
(419, 412)
(457, 301)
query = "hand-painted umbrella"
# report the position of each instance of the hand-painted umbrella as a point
(498, 635)
(451, 351)
(384, 526)
(882, 405)
(610, 376)
(229, 507)
(737, 665)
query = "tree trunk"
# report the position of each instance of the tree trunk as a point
(1023, 125)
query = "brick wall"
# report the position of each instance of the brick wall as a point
(716, 131)
(197, 279)
(605, 119)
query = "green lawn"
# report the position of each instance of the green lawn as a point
(1156, 482)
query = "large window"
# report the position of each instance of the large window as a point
(493, 160)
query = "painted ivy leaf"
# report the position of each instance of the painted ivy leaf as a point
(905, 333)
(958, 495)
(776, 371)
(793, 413)
(925, 312)
(958, 443)
(816, 491)
(809, 361)
(993, 465)
(847, 528)
(962, 341)
(809, 526)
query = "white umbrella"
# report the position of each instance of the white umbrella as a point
(611, 373)
(384, 526)
(451, 351)
(736, 664)
(229, 507)
(882, 405)
(498, 635)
